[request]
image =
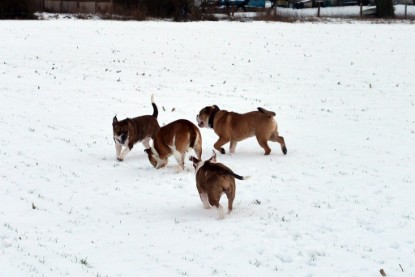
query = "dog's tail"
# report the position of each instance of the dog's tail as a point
(223, 170)
(155, 110)
(269, 113)
(239, 176)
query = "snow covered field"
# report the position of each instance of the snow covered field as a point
(340, 203)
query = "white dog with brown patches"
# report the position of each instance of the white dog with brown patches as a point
(175, 139)
(214, 179)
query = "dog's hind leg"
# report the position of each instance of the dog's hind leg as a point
(214, 201)
(198, 151)
(204, 198)
(230, 194)
(231, 197)
(232, 146)
(264, 144)
(219, 143)
(220, 211)
(276, 138)
(146, 142)
(180, 159)
(197, 147)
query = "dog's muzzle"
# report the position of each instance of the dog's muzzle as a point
(121, 139)
(199, 122)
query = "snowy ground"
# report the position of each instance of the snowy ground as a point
(340, 203)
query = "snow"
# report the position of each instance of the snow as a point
(340, 203)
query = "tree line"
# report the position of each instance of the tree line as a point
(142, 9)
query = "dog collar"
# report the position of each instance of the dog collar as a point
(211, 118)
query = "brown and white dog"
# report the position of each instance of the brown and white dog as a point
(129, 131)
(175, 139)
(214, 179)
(233, 127)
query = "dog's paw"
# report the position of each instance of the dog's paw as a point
(220, 212)
(222, 150)
(119, 159)
(284, 150)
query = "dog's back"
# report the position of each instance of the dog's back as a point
(180, 134)
(214, 179)
(175, 139)
(242, 126)
(216, 174)
(143, 126)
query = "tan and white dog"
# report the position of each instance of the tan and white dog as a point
(175, 139)
(233, 127)
(129, 131)
(214, 179)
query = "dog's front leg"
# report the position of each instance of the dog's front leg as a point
(124, 153)
(232, 146)
(117, 150)
(218, 145)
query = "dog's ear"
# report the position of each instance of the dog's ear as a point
(216, 107)
(213, 158)
(193, 159)
(115, 120)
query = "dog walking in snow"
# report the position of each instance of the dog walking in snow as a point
(175, 139)
(129, 131)
(214, 179)
(234, 127)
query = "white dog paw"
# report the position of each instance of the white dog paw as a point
(220, 211)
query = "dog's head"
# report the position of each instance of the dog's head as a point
(154, 158)
(199, 163)
(151, 158)
(205, 114)
(120, 130)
